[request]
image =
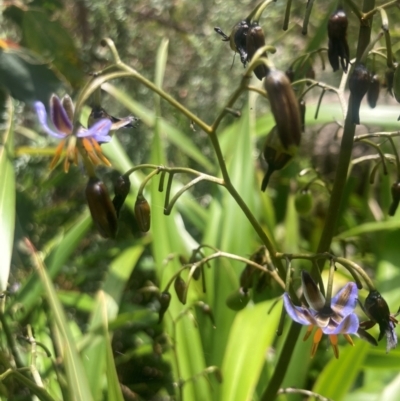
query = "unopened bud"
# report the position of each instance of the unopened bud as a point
(121, 191)
(338, 48)
(275, 155)
(101, 208)
(395, 198)
(254, 40)
(285, 108)
(180, 289)
(373, 91)
(165, 300)
(358, 84)
(142, 213)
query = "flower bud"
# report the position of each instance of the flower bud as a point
(121, 191)
(338, 48)
(275, 155)
(101, 208)
(237, 300)
(358, 84)
(164, 299)
(285, 109)
(373, 91)
(180, 289)
(254, 40)
(395, 198)
(142, 213)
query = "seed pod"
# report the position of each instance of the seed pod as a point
(164, 299)
(238, 300)
(373, 91)
(285, 109)
(358, 84)
(338, 48)
(121, 191)
(275, 155)
(180, 289)
(395, 198)
(142, 213)
(254, 40)
(303, 202)
(101, 208)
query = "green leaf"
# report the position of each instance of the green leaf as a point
(59, 250)
(76, 376)
(252, 333)
(7, 196)
(339, 375)
(109, 297)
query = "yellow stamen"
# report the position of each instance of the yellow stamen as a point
(99, 153)
(316, 340)
(349, 339)
(90, 151)
(308, 332)
(334, 341)
(57, 154)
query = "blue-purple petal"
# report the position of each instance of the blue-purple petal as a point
(349, 325)
(297, 313)
(98, 131)
(59, 116)
(311, 292)
(42, 116)
(345, 301)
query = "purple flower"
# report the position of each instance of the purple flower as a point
(332, 318)
(61, 115)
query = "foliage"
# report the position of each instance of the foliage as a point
(185, 302)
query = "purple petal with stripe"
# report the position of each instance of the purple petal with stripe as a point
(345, 301)
(349, 325)
(311, 292)
(59, 116)
(297, 313)
(98, 131)
(42, 116)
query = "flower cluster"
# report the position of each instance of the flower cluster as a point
(61, 115)
(331, 318)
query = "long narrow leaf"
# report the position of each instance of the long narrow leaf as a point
(7, 196)
(76, 376)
